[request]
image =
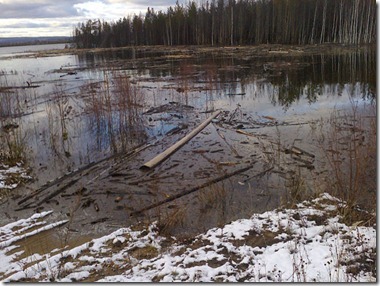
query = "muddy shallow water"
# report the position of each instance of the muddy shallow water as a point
(89, 121)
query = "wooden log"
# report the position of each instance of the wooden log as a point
(168, 152)
(302, 160)
(53, 194)
(259, 174)
(204, 185)
(244, 133)
(300, 151)
(269, 117)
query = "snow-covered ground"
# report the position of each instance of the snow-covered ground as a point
(10, 177)
(306, 243)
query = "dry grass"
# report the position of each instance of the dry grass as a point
(12, 143)
(348, 145)
(296, 189)
(168, 223)
(13, 148)
(350, 149)
(212, 197)
(129, 102)
(146, 252)
(116, 107)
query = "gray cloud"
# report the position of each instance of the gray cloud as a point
(147, 3)
(26, 24)
(37, 9)
(42, 17)
(63, 8)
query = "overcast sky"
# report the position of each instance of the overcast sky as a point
(25, 18)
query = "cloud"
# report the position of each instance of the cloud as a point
(26, 24)
(19, 9)
(102, 10)
(38, 27)
(51, 18)
(116, 9)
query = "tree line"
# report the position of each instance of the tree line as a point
(238, 22)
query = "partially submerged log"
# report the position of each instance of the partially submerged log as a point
(168, 152)
(6, 88)
(204, 185)
(269, 117)
(244, 133)
(300, 151)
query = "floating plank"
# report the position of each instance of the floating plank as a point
(168, 152)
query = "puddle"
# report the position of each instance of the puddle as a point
(49, 241)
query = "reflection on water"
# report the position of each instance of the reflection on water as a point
(283, 79)
(115, 114)
(87, 107)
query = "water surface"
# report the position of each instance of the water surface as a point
(61, 132)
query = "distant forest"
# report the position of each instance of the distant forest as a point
(21, 41)
(238, 22)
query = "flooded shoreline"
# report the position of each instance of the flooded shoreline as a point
(95, 118)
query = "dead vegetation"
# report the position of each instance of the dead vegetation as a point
(116, 107)
(351, 151)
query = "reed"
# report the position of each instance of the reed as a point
(116, 108)
(350, 148)
(12, 143)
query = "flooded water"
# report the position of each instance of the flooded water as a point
(75, 110)
(14, 51)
